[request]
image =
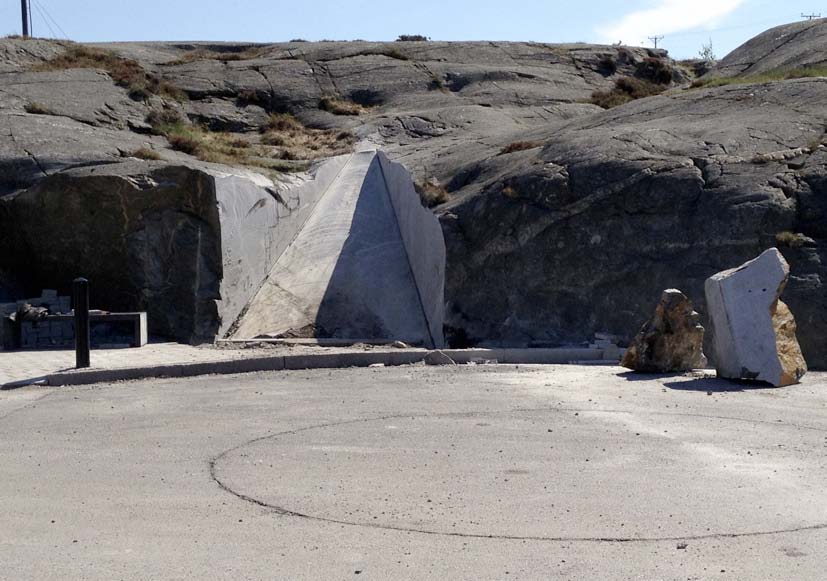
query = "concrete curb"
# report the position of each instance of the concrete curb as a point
(326, 361)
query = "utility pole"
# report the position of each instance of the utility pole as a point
(810, 16)
(655, 39)
(24, 7)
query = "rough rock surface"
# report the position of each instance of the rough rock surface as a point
(547, 244)
(753, 331)
(552, 245)
(796, 45)
(671, 341)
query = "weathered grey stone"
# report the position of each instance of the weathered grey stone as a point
(557, 243)
(753, 330)
(545, 246)
(790, 46)
(671, 341)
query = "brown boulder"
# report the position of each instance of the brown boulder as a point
(671, 341)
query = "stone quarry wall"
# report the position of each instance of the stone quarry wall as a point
(149, 242)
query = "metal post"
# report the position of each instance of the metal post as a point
(24, 7)
(80, 294)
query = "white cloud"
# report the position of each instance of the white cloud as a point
(666, 17)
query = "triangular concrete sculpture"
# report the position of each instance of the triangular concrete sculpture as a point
(368, 264)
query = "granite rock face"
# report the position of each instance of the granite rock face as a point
(671, 341)
(753, 330)
(791, 46)
(555, 244)
(548, 243)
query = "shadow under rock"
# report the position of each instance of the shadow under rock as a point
(706, 384)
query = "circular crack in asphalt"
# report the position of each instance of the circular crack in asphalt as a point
(283, 511)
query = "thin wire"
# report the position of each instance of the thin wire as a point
(52, 30)
(50, 17)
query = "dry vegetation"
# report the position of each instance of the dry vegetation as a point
(768, 77)
(652, 77)
(145, 153)
(339, 106)
(38, 109)
(432, 193)
(791, 239)
(283, 139)
(520, 146)
(125, 72)
(202, 54)
(626, 89)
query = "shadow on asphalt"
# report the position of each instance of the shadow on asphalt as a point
(705, 384)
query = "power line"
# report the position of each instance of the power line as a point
(48, 14)
(656, 39)
(43, 16)
(811, 16)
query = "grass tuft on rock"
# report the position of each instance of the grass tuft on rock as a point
(768, 77)
(202, 54)
(432, 193)
(626, 89)
(125, 72)
(283, 139)
(339, 106)
(145, 153)
(520, 146)
(36, 108)
(791, 239)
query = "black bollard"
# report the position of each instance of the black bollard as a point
(80, 295)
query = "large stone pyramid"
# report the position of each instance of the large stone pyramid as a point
(367, 264)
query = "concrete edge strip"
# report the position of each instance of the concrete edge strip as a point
(325, 361)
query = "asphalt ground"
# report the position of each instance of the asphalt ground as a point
(414, 472)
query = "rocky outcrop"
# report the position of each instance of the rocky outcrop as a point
(753, 330)
(555, 244)
(671, 341)
(560, 220)
(791, 46)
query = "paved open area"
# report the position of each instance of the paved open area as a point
(463, 472)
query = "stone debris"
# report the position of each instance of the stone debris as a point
(753, 330)
(671, 341)
(438, 358)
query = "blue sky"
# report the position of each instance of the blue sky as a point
(685, 24)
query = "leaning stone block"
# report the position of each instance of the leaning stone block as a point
(671, 341)
(753, 330)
